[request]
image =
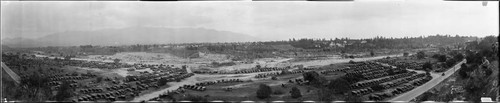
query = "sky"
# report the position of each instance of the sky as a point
(268, 20)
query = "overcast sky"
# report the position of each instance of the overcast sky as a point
(268, 20)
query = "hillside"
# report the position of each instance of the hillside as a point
(129, 36)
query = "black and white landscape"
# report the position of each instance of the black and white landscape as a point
(361, 50)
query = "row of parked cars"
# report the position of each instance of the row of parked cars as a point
(68, 78)
(194, 87)
(218, 81)
(406, 65)
(400, 89)
(91, 90)
(333, 70)
(382, 80)
(265, 75)
(244, 71)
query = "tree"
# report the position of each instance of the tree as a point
(64, 91)
(264, 91)
(475, 87)
(458, 57)
(35, 88)
(67, 57)
(353, 78)
(162, 81)
(116, 61)
(274, 78)
(488, 71)
(441, 58)
(295, 92)
(339, 85)
(421, 55)
(98, 79)
(25, 68)
(427, 66)
(314, 78)
(351, 62)
(75, 74)
(486, 43)
(406, 54)
(450, 62)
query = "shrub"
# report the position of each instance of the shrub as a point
(427, 66)
(421, 55)
(64, 92)
(162, 81)
(405, 54)
(264, 91)
(314, 78)
(442, 58)
(462, 72)
(488, 71)
(351, 62)
(295, 92)
(354, 78)
(274, 78)
(459, 57)
(98, 79)
(450, 63)
(339, 85)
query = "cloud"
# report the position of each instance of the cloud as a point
(271, 20)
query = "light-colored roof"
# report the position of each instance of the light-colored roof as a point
(486, 99)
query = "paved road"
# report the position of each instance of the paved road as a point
(436, 79)
(10, 73)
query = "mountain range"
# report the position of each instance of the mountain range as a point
(130, 36)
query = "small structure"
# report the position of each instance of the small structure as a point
(486, 99)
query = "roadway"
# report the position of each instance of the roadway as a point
(436, 79)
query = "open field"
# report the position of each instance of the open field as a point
(148, 76)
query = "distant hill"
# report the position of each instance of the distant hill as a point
(129, 36)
